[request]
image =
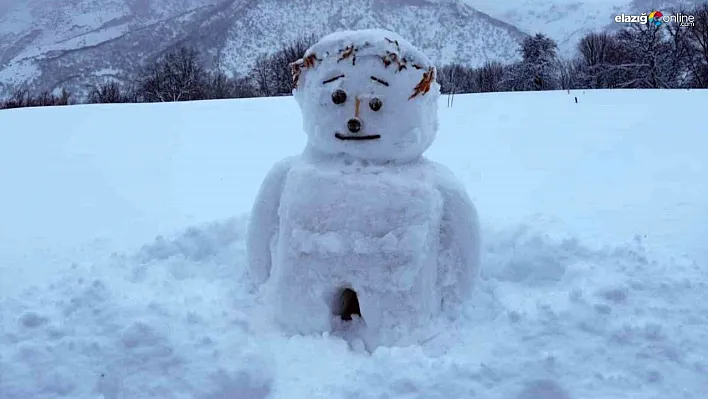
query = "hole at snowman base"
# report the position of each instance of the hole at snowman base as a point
(346, 304)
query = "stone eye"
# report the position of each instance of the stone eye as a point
(375, 104)
(339, 96)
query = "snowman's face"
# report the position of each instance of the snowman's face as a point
(365, 110)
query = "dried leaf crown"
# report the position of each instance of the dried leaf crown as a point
(349, 53)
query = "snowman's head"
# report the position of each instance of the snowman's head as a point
(369, 94)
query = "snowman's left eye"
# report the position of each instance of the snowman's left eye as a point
(375, 104)
(339, 96)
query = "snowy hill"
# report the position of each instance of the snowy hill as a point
(595, 268)
(79, 41)
(566, 21)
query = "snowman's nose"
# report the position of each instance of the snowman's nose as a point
(354, 125)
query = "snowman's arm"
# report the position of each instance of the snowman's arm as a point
(459, 259)
(264, 220)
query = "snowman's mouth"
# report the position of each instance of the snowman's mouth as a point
(369, 137)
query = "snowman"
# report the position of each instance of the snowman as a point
(360, 228)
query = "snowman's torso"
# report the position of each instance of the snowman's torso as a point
(372, 222)
(375, 229)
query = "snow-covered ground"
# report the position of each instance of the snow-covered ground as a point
(595, 264)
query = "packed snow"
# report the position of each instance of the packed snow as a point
(123, 266)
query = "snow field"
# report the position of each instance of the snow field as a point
(594, 267)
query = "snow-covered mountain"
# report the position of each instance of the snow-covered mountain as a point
(566, 21)
(72, 42)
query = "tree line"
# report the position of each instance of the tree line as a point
(639, 56)
(182, 75)
(636, 56)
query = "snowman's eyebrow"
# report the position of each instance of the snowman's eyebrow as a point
(383, 82)
(330, 80)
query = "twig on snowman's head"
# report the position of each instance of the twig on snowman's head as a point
(425, 82)
(390, 58)
(347, 52)
(310, 60)
(398, 48)
(295, 71)
(296, 67)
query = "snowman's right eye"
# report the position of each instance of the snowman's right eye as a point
(339, 96)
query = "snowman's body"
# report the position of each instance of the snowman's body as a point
(373, 215)
(374, 230)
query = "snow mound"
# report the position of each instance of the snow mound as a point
(177, 319)
(150, 324)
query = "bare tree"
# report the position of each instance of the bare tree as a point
(680, 53)
(261, 74)
(44, 99)
(271, 73)
(219, 85)
(152, 86)
(448, 78)
(64, 98)
(645, 57)
(107, 93)
(21, 97)
(698, 47)
(282, 59)
(595, 59)
(594, 48)
(177, 76)
(489, 76)
(184, 75)
(452, 82)
(568, 74)
(244, 88)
